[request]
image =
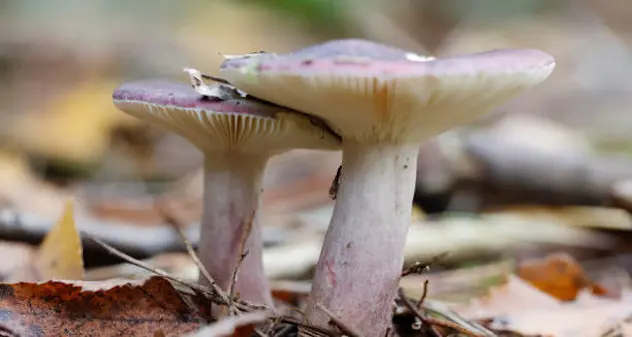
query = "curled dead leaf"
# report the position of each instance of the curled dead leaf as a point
(113, 307)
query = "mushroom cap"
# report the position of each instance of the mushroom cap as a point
(372, 92)
(237, 124)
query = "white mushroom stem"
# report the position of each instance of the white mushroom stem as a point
(362, 256)
(232, 185)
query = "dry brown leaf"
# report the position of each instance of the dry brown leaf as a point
(60, 254)
(558, 275)
(112, 308)
(235, 326)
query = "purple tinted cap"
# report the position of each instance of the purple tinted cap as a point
(369, 91)
(232, 124)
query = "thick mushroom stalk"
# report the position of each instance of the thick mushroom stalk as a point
(237, 136)
(383, 101)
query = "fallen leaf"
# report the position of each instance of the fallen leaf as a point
(513, 296)
(110, 308)
(558, 275)
(520, 307)
(235, 326)
(60, 254)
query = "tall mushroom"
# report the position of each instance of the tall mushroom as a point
(383, 101)
(237, 136)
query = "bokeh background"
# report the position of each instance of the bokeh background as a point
(545, 172)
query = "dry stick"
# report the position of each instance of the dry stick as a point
(242, 249)
(429, 321)
(421, 267)
(417, 313)
(171, 216)
(423, 295)
(347, 329)
(311, 329)
(241, 304)
(333, 189)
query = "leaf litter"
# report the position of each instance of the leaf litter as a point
(522, 305)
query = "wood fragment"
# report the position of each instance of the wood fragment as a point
(344, 327)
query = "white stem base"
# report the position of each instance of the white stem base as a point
(361, 260)
(231, 193)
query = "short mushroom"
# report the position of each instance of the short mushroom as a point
(383, 101)
(237, 136)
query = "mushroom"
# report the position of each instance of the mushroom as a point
(383, 101)
(237, 135)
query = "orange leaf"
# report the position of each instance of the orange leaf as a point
(558, 275)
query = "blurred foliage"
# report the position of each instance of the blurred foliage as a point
(491, 9)
(324, 17)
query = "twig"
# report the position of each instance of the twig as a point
(430, 321)
(417, 313)
(241, 305)
(421, 267)
(172, 217)
(312, 329)
(344, 327)
(423, 295)
(452, 325)
(333, 189)
(242, 250)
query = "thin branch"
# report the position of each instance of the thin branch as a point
(452, 325)
(430, 321)
(421, 267)
(344, 327)
(172, 217)
(245, 234)
(423, 295)
(416, 312)
(333, 189)
(312, 329)
(241, 305)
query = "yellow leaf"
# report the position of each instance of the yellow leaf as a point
(60, 255)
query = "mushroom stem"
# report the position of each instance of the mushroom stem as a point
(362, 256)
(232, 185)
